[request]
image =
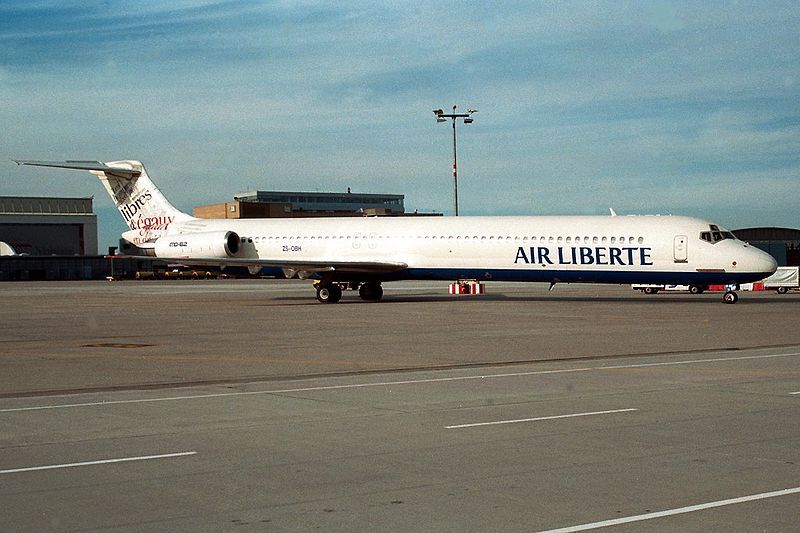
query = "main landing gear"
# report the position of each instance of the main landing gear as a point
(370, 291)
(329, 292)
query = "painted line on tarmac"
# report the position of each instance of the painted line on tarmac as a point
(391, 383)
(539, 418)
(99, 462)
(287, 391)
(671, 512)
(798, 392)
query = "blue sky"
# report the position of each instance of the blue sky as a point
(649, 107)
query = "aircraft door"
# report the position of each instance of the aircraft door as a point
(681, 244)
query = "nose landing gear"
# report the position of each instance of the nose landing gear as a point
(730, 297)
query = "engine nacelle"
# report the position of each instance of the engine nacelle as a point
(218, 244)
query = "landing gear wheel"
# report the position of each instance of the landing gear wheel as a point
(730, 297)
(329, 293)
(371, 291)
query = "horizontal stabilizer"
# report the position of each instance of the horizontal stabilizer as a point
(95, 166)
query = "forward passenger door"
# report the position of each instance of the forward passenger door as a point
(680, 249)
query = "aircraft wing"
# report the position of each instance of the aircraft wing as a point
(355, 267)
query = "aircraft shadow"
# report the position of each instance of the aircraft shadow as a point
(677, 299)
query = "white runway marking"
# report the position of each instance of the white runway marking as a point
(392, 383)
(100, 462)
(798, 392)
(670, 512)
(498, 422)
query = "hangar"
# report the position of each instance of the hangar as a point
(36, 225)
(781, 243)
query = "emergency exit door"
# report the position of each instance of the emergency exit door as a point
(681, 243)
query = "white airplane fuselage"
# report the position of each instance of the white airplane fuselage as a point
(630, 249)
(555, 249)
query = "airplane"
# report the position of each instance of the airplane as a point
(369, 251)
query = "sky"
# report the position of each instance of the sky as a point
(688, 108)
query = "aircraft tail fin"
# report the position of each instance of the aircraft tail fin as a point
(139, 201)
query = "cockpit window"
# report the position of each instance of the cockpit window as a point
(716, 234)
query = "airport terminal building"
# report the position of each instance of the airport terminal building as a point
(328, 203)
(286, 204)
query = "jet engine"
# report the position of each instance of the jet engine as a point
(216, 244)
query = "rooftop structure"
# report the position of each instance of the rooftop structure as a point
(328, 202)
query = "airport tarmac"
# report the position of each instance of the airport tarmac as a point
(84, 335)
(241, 405)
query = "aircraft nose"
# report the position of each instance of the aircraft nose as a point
(765, 263)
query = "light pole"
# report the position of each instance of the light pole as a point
(441, 116)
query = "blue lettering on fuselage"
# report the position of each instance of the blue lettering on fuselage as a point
(585, 255)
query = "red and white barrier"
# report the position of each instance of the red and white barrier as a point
(466, 287)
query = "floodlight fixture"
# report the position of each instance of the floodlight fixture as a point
(441, 116)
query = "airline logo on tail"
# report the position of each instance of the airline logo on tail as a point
(130, 210)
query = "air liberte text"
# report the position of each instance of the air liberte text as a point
(584, 255)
